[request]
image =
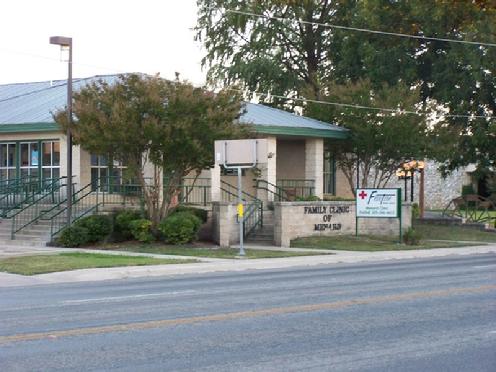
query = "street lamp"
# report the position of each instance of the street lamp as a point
(66, 43)
(407, 171)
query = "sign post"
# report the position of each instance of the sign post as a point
(378, 203)
(239, 155)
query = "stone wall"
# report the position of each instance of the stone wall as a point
(439, 191)
(301, 219)
(225, 229)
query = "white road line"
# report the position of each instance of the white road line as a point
(119, 298)
(483, 266)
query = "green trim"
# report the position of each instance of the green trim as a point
(29, 127)
(305, 132)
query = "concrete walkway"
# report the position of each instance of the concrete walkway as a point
(210, 265)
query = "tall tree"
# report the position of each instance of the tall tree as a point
(379, 140)
(276, 53)
(142, 120)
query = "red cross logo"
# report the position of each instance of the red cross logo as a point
(362, 195)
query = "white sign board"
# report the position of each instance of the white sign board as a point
(378, 203)
(247, 152)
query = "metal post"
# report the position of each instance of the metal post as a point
(69, 138)
(242, 218)
(406, 187)
(412, 172)
(421, 193)
(358, 173)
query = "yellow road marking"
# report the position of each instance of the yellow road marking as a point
(244, 314)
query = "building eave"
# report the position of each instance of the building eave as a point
(29, 127)
(302, 132)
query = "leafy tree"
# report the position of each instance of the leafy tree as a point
(142, 120)
(284, 57)
(380, 140)
(270, 55)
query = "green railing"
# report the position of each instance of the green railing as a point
(287, 190)
(253, 217)
(15, 192)
(98, 193)
(229, 193)
(36, 205)
(85, 201)
(195, 191)
(115, 190)
(297, 188)
(278, 193)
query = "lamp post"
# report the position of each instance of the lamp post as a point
(66, 42)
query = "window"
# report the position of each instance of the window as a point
(30, 159)
(8, 161)
(50, 159)
(329, 173)
(103, 173)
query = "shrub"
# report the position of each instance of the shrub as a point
(307, 198)
(98, 226)
(141, 230)
(411, 237)
(122, 223)
(180, 228)
(468, 190)
(202, 214)
(73, 236)
(415, 210)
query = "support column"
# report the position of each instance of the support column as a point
(215, 193)
(314, 163)
(269, 171)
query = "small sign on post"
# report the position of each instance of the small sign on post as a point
(378, 203)
(240, 154)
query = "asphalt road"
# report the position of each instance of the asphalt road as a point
(417, 315)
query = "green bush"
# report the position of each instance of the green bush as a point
(141, 230)
(468, 190)
(307, 198)
(411, 237)
(122, 223)
(73, 236)
(98, 226)
(415, 210)
(180, 228)
(202, 214)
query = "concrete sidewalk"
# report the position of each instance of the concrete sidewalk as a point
(210, 265)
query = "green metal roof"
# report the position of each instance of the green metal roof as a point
(28, 107)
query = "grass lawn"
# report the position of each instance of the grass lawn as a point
(456, 233)
(41, 264)
(199, 251)
(365, 243)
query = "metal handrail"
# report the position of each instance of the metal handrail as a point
(14, 193)
(253, 217)
(31, 199)
(280, 193)
(297, 187)
(83, 194)
(34, 202)
(233, 191)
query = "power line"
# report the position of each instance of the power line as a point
(301, 99)
(366, 30)
(12, 51)
(362, 107)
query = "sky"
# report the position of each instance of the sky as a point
(109, 36)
